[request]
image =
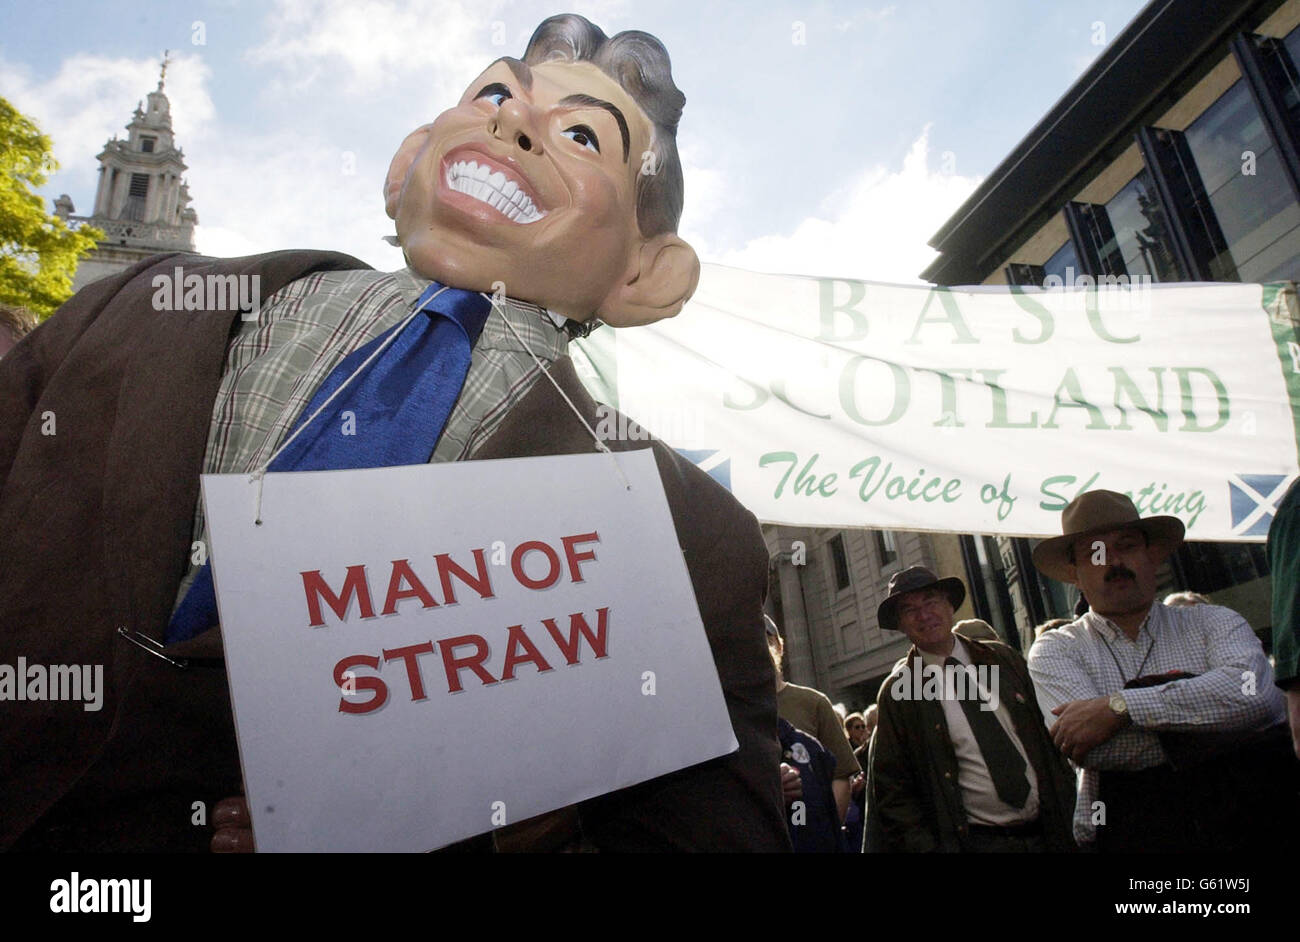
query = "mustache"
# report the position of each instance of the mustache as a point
(1119, 572)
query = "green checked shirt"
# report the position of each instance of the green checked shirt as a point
(276, 363)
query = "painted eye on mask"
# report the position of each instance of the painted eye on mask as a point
(495, 93)
(584, 136)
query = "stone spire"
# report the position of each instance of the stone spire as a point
(142, 202)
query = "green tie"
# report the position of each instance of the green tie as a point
(1006, 764)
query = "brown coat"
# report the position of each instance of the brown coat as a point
(95, 535)
(914, 802)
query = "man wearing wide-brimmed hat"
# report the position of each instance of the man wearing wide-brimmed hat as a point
(1124, 684)
(961, 760)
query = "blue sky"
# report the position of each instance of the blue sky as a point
(830, 138)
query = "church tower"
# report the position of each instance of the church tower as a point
(142, 202)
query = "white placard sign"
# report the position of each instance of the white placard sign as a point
(421, 654)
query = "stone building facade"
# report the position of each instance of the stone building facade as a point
(142, 203)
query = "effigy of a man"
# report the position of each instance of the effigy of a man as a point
(554, 186)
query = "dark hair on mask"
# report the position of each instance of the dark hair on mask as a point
(639, 63)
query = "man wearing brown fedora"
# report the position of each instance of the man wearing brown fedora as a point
(961, 760)
(1171, 713)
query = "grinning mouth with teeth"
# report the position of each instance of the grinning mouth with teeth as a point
(494, 188)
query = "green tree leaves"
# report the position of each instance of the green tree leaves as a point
(38, 252)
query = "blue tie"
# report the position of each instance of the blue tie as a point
(398, 408)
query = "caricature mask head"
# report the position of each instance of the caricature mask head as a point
(535, 180)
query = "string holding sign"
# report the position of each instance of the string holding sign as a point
(260, 473)
(600, 445)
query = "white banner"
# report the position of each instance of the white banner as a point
(832, 402)
(421, 654)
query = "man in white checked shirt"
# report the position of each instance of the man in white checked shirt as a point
(1124, 686)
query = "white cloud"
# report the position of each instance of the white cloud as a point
(706, 196)
(379, 44)
(221, 242)
(253, 190)
(876, 228)
(425, 51)
(287, 190)
(90, 99)
(288, 185)
(261, 186)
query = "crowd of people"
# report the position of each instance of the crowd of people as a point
(1139, 726)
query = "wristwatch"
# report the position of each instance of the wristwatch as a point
(1117, 704)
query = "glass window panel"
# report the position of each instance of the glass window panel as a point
(1000, 614)
(1058, 597)
(886, 546)
(1141, 232)
(1263, 233)
(1215, 566)
(1256, 211)
(839, 562)
(1107, 249)
(1065, 258)
(1291, 94)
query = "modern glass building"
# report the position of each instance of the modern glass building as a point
(1174, 157)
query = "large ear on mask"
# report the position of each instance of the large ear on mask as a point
(663, 280)
(397, 170)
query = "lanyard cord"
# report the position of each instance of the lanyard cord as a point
(1150, 648)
